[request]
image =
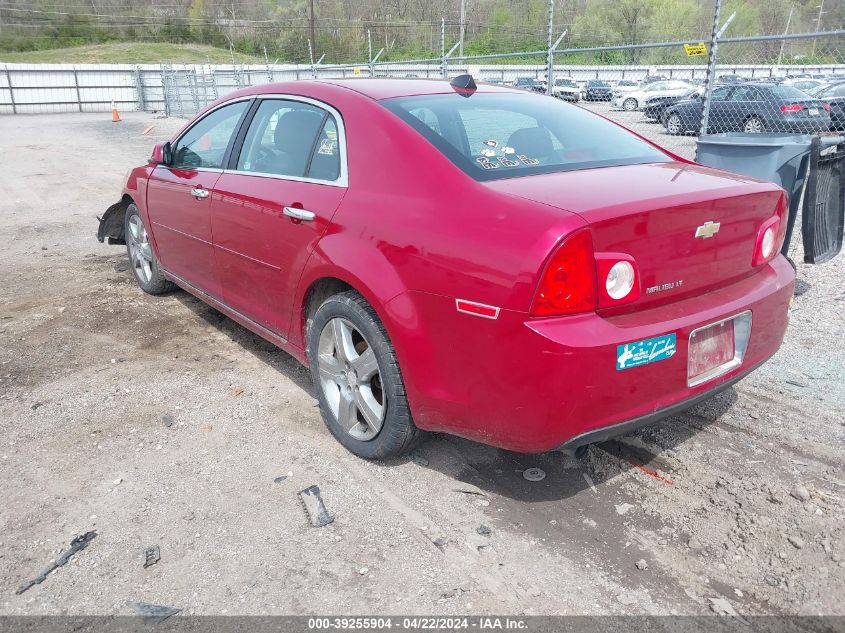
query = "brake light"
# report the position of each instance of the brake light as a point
(791, 108)
(568, 282)
(826, 105)
(769, 239)
(618, 279)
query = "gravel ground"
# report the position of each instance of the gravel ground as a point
(159, 421)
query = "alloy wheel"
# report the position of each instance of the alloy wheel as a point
(629, 104)
(753, 125)
(140, 251)
(350, 379)
(673, 124)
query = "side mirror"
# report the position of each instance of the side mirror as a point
(162, 154)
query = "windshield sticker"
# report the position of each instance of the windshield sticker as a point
(528, 161)
(508, 150)
(488, 152)
(332, 134)
(491, 143)
(644, 352)
(486, 163)
(326, 147)
(507, 162)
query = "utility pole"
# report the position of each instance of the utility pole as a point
(463, 26)
(313, 43)
(785, 33)
(818, 25)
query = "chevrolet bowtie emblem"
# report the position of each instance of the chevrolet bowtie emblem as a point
(708, 229)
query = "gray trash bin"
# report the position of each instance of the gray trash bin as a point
(783, 159)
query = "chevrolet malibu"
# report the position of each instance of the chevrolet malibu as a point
(475, 260)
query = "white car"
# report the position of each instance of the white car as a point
(566, 89)
(635, 99)
(626, 85)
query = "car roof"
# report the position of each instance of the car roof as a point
(386, 88)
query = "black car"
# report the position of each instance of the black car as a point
(834, 96)
(529, 83)
(654, 107)
(596, 90)
(751, 107)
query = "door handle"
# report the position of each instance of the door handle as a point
(199, 192)
(299, 214)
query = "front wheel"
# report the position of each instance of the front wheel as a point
(141, 256)
(629, 105)
(357, 379)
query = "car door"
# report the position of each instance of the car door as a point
(179, 196)
(745, 102)
(720, 118)
(283, 185)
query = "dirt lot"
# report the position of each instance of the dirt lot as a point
(158, 421)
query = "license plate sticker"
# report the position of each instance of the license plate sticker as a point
(644, 352)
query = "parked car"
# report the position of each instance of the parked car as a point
(596, 90)
(731, 79)
(626, 85)
(751, 107)
(567, 90)
(650, 79)
(565, 281)
(834, 96)
(529, 83)
(634, 100)
(804, 85)
(654, 107)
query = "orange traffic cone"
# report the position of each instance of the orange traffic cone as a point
(115, 116)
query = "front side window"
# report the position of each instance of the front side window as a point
(491, 136)
(205, 144)
(285, 136)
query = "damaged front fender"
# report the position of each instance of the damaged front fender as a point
(112, 223)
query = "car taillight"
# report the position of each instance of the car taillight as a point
(791, 108)
(568, 282)
(618, 279)
(826, 106)
(769, 239)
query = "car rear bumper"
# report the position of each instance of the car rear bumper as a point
(534, 385)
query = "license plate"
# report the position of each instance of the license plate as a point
(718, 348)
(813, 111)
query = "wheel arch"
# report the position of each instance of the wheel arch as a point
(368, 273)
(112, 225)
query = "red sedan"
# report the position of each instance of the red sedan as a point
(475, 260)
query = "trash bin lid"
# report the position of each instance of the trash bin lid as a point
(750, 139)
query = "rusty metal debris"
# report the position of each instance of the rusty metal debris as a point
(77, 544)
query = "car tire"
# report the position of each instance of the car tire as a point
(630, 104)
(674, 125)
(753, 125)
(346, 339)
(142, 258)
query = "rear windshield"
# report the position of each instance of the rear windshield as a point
(787, 92)
(492, 136)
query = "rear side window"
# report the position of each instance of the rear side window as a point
(285, 137)
(491, 136)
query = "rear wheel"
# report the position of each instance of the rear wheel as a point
(357, 379)
(673, 124)
(753, 125)
(141, 256)
(629, 104)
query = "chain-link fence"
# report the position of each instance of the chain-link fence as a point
(792, 83)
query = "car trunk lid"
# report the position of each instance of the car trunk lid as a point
(689, 228)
